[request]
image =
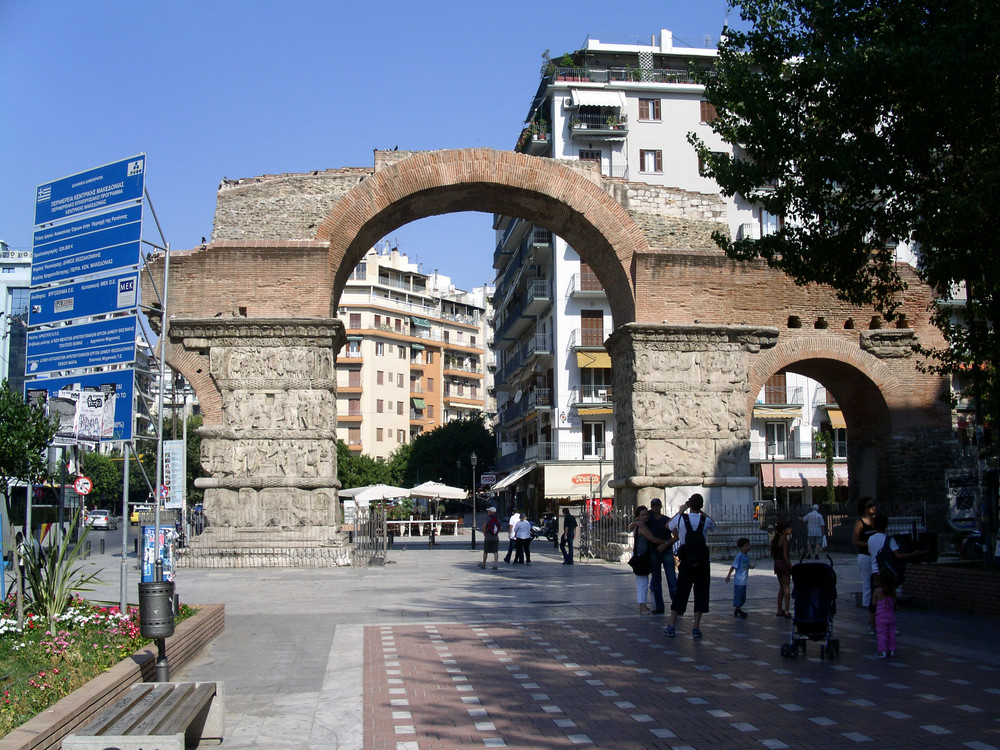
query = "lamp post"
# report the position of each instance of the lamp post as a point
(473, 459)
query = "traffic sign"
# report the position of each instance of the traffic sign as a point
(96, 244)
(83, 485)
(101, 187)
(119, 382)
(164, 492)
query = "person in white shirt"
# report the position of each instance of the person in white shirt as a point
(522, 538)
(695, 569)
(511, 539)
(814, 531)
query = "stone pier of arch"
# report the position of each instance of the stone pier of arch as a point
(696, 336)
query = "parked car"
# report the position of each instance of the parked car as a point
(101, 519)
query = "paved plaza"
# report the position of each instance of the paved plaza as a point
(433, 652)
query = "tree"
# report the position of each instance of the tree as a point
(25, 433)
(106, 474)
(869, 123)
(434, 454)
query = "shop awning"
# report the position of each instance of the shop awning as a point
(355, 338)
(589, 412)
(593, 359)
(422, 322)
(597, 98)
(837, 419)
(802, 475)
(417, 347)
(508, 480)
(418, 403)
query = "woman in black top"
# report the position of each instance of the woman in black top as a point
(863, 529)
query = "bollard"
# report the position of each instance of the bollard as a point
(102, 546)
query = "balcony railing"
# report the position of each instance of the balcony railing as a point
(623, 75)
(592, 394)
(791, 450)
(592, 338)
(779, 395)
(594, 123)
(585, 281)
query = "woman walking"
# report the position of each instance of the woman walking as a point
(783, 566)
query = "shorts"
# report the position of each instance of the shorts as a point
(491, 545)
(781, 568)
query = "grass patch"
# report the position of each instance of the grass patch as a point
(38, 666)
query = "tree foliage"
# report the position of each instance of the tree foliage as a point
(25, 433)
(869, 123)
(444, 454)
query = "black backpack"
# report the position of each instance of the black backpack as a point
(694, 551)
(886, 561)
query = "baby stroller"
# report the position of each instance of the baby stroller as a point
(814, 591)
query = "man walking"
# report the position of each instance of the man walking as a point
(695, 571)
(657, 526)
(512, 541)
(814, 531)
(568, 535)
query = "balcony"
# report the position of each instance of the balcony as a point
(779, 395)
(589, 338)
(595, 125)
(621, 75)
(585, 284)
(540, 398)
(452, 367)
(592, 394)
(791, 450)
(535, 139)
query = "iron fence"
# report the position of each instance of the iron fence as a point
(371, 536)
(605, 535)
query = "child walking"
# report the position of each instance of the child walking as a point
(741, 566)
(884, 595)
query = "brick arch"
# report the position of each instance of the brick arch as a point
(863, 385)
(542, 191)
(194, 367)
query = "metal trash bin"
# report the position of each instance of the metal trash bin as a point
(156, 609)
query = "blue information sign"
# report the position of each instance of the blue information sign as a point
(108, 294)
(92, 190)
(121, 382)
(105, 342)
(97, 244)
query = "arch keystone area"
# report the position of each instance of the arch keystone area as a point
(542, 191)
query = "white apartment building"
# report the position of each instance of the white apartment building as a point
(15, 281)
(415, 355)
(628, 108)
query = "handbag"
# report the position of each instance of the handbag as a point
(640, 564)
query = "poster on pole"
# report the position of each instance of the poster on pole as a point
(174, 473)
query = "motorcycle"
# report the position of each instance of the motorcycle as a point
(546, 530)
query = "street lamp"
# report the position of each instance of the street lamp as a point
(473, 459)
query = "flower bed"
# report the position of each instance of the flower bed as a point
(97, 642)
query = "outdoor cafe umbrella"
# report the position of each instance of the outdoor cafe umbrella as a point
(375, 492)
(438, 491)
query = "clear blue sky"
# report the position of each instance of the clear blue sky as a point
(225, 88)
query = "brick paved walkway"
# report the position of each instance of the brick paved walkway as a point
(618, 682)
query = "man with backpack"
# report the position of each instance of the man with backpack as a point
(691, 526)
(491, 538)
(886, 557)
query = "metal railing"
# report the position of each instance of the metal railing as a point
(589, 337)
(371, 538)
(605, 535)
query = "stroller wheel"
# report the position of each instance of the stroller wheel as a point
(785, 650)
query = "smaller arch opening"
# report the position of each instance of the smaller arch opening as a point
(794, 321)
(821, 323)
(875, 323)
(849, 324)
(901, 321)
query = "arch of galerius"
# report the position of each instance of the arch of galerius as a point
(253, 329)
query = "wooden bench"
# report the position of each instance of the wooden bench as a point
(157, 716)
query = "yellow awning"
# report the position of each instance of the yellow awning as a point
(586, 412)
(593, 359)
(766, 412)
(837, 419)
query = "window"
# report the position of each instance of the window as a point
(430, 385)
(355, 320)
(353, 348)
(472, 340)
(776, 439)
(400, 436)
(590, 155)
(430, 411)
(354, 436)
(461, 336)
(401, 352)
(379, 349)
(379, 404)
(775, 391)
(360, 271)
(354, 407)
(354, 378)
(380, 377)
(399, 408)
(650, 160)
(593, 439)
(378, 320)
(649, 109)
(708, 113)
(399, 325)
(399, 380)
(430, 358)
(592, 328)
(378, 434)
(703, 167)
